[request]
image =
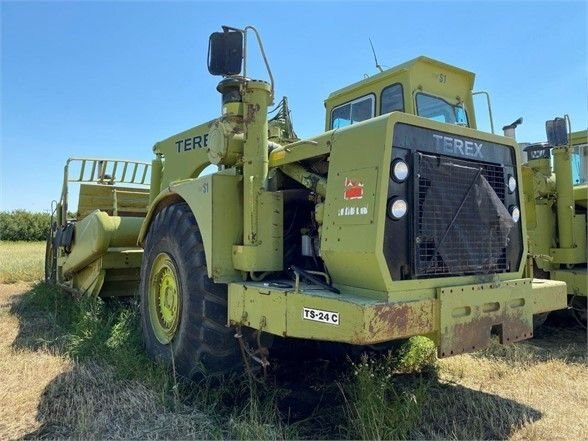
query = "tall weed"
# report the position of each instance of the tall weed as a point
(377, 407)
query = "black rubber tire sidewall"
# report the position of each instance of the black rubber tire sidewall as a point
(202, 343)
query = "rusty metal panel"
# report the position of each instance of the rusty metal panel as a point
(469, 313)
(346, 317)
(400, 320)
(461, 317)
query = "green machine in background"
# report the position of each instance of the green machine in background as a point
(555, 182)
(401, 219)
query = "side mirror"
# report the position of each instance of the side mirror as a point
(225, 53)
(557, 132)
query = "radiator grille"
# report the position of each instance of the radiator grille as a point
(461, 222)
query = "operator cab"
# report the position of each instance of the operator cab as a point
(580, 157)
(423, 87)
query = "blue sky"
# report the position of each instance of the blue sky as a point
(112, 78)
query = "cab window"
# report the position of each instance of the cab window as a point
(580, 164)
(438, 109)
(392, 99)
(353, 112)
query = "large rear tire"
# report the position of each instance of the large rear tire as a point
(579, 306)
(183, 313)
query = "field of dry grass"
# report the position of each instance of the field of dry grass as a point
(46, 394)
(76, 370)
(25, 373)
(21, 261)
(546, 376)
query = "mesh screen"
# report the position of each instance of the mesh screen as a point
(462, 225)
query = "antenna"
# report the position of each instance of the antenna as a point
(378, 66)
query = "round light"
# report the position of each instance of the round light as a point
(397, 209)
(515, 213)
(512, 184)
(399, 170)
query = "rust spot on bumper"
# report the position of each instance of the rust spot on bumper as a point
(400, 320)
(476, 334)
(468, 315)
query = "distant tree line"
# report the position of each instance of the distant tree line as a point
(24, 225)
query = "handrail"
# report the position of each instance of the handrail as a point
(100, 168)
(103, 171)
(487, 95)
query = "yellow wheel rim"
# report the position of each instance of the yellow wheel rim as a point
(164, 298)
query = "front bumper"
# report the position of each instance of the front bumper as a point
(459, 318)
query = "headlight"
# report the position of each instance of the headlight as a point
(397, 208)
(515, 213)
(399, 170)
(512, 184)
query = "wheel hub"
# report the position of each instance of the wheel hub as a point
(164, 298)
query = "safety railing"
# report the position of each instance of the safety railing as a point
(103, 171)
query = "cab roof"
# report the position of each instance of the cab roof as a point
(412, 65)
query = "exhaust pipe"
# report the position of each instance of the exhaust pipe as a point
(510, 130)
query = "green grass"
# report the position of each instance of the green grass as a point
(417, 354)
(21, 261)
(92, 329)
(376, 406)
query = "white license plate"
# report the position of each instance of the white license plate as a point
(317, 315)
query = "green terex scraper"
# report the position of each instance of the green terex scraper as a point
(400, 219)
(556, 198)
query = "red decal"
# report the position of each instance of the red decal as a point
(353, 189)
